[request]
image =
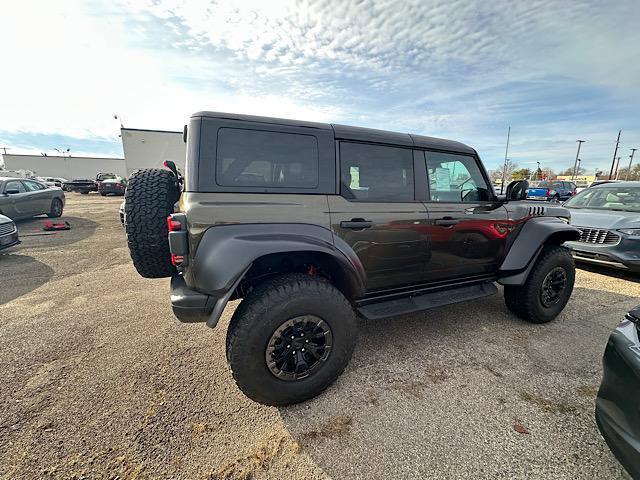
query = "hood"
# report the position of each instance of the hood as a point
(584, 217)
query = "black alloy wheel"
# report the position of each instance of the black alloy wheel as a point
(299, 347)
(553, 285)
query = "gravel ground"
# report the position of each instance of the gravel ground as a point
(100, 381)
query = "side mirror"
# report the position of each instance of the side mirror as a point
(517, 190)
(12, 191)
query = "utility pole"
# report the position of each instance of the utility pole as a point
(5, 150)
(617, 165)
(575, 164)
(633, 152)
(504, 168)
(615, 152)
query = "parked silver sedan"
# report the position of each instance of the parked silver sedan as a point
(25, 198)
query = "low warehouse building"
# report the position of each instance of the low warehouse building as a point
(65, 167)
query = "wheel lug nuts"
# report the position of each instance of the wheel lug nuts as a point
(293, 351)
(302, 350)
(302, 334)
(306, 341)
(288, 346)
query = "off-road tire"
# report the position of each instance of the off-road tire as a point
(53, 211)
(265, 309)
(525, 300)
(150, 196)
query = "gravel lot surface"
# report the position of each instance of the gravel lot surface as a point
(98, 380)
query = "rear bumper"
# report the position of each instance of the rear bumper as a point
(189, 306)
(618, 401)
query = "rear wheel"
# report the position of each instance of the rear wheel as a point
(547, 289)
(149, 199)
(290, 339)
(56, 208)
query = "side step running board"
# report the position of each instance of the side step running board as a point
(401, 306)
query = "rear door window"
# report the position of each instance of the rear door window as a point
(376, 173)
(258, 158)
(15, 185)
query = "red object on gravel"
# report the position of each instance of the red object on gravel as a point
(49, 225)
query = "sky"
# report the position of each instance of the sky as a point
(555, 71)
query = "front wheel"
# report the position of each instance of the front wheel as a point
(290, 339)
(547, 289)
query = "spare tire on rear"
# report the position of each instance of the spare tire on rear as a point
(150, 196)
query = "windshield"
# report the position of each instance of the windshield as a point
(608, 198)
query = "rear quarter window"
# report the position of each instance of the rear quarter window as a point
(259, 158)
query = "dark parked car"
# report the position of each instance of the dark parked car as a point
(314, 223)
(556, 191)
(8, 233)
(25, 198)
(112, 186)
(85, 185)
(608, 216)
(618, 401)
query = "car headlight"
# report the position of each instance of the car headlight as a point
(630, 231)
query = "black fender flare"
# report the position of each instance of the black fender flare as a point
(226, 252)
(524, 250)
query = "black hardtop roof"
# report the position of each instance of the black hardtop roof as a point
(346, 132)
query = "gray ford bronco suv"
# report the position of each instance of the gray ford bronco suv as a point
(314, 224)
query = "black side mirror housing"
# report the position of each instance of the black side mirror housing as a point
(12, 192)
(517, 190)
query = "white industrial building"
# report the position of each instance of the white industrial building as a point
(65, 167)
(142, 149)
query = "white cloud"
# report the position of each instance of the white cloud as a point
(456, 68)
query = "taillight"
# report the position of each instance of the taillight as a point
(548, 192)
(177, 259)
(173, 225)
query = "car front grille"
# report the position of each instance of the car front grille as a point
(598, 236)
(6, 228)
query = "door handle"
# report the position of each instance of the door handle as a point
(356, 224)
(446, 222)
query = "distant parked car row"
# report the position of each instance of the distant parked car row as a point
(104, 183)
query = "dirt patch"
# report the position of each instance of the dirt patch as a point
(546, 404)
(589, 391)
(336, 427)
(258, 460)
